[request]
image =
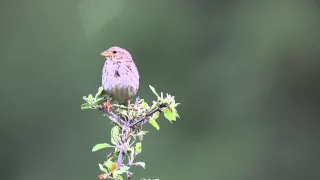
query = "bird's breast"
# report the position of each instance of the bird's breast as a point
(119, 80)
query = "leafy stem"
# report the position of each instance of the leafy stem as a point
(127, 129)
(158, 109)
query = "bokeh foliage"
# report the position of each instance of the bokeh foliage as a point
(246, 72)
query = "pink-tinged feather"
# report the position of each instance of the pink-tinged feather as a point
(120, 76)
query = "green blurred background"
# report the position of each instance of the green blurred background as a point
(246, 74)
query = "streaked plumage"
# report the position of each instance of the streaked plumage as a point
(120, 76)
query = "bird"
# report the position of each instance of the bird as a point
(120, 76)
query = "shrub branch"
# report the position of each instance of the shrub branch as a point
(128, 124)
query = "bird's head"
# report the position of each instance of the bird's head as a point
(116, 53)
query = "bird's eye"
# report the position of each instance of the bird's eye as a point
(114, 52)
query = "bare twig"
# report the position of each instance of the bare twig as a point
(100, 108)
(119, 159)
(117, 117)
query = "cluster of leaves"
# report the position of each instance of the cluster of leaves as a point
(128, 123)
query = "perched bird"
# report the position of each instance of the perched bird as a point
(120, 76)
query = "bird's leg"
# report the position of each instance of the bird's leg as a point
(129, 104)
(107, 105)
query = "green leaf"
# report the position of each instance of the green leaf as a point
(123, 169)
(100, 146)
(90, 98)
(175, 105)
(144, 105)
(98, 101)
(102, 168)
(107, 163)
(155, 115)
(169, 115)
(114, 135)
(141, 133)
(115, 173)
(138, 148)
(119, 177)
(100, 89)
(154, 104)
(154, 124)
(140, 101)
(153, 120)
(142, 164)
(175, 112)
(154, 91)
(86, 106)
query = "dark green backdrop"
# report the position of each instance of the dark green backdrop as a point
(246, 74)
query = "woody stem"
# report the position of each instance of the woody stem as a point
(157, 109)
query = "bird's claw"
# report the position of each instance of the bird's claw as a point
(108, 106)
(130, 106)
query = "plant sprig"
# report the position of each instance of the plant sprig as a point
(127, 134)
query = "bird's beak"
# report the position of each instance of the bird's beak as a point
(105, 54)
